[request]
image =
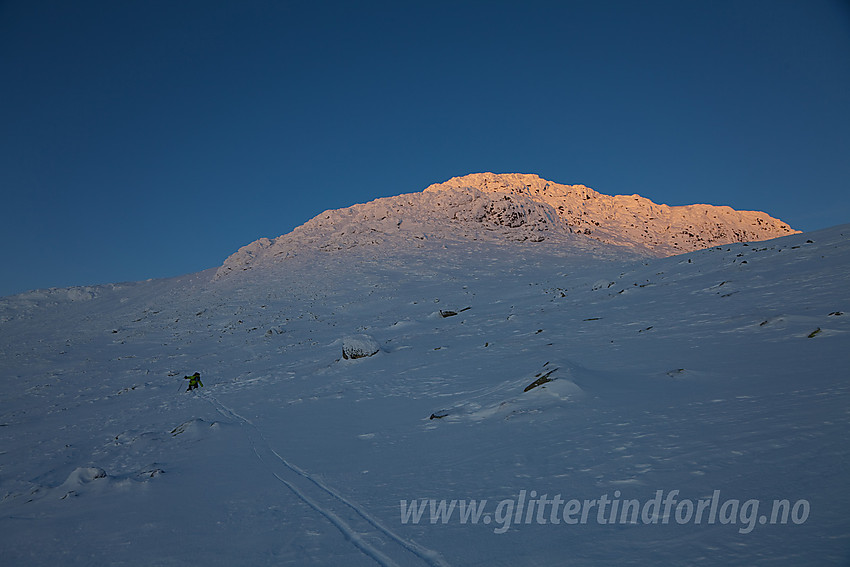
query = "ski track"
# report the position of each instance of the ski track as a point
(355, 524)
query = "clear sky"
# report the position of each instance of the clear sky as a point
(152, 139)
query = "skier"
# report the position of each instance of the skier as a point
(194, 381)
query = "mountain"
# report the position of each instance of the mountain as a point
(517, 207)
(464, 398)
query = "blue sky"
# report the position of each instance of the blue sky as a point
(152, 139)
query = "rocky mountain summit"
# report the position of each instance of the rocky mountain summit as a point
(516, 207)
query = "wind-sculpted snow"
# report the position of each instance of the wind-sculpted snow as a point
(514, 207)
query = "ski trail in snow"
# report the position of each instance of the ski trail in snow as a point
(428, 555)
(352, 521)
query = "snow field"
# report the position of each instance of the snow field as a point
(694, 373)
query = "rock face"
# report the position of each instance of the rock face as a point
(630, 220)
(515, 207)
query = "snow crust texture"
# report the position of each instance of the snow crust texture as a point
(515, 207)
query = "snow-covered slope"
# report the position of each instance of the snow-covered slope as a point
(503, 374)
(516, 207)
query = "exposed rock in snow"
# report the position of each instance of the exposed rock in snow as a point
(359, 346)
(515, 207)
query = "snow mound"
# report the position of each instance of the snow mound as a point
(194, 428)
(82, 476)
(92, 480)
(80, 481)
(549, 389)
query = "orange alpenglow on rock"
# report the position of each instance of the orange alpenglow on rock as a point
(514, 207)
